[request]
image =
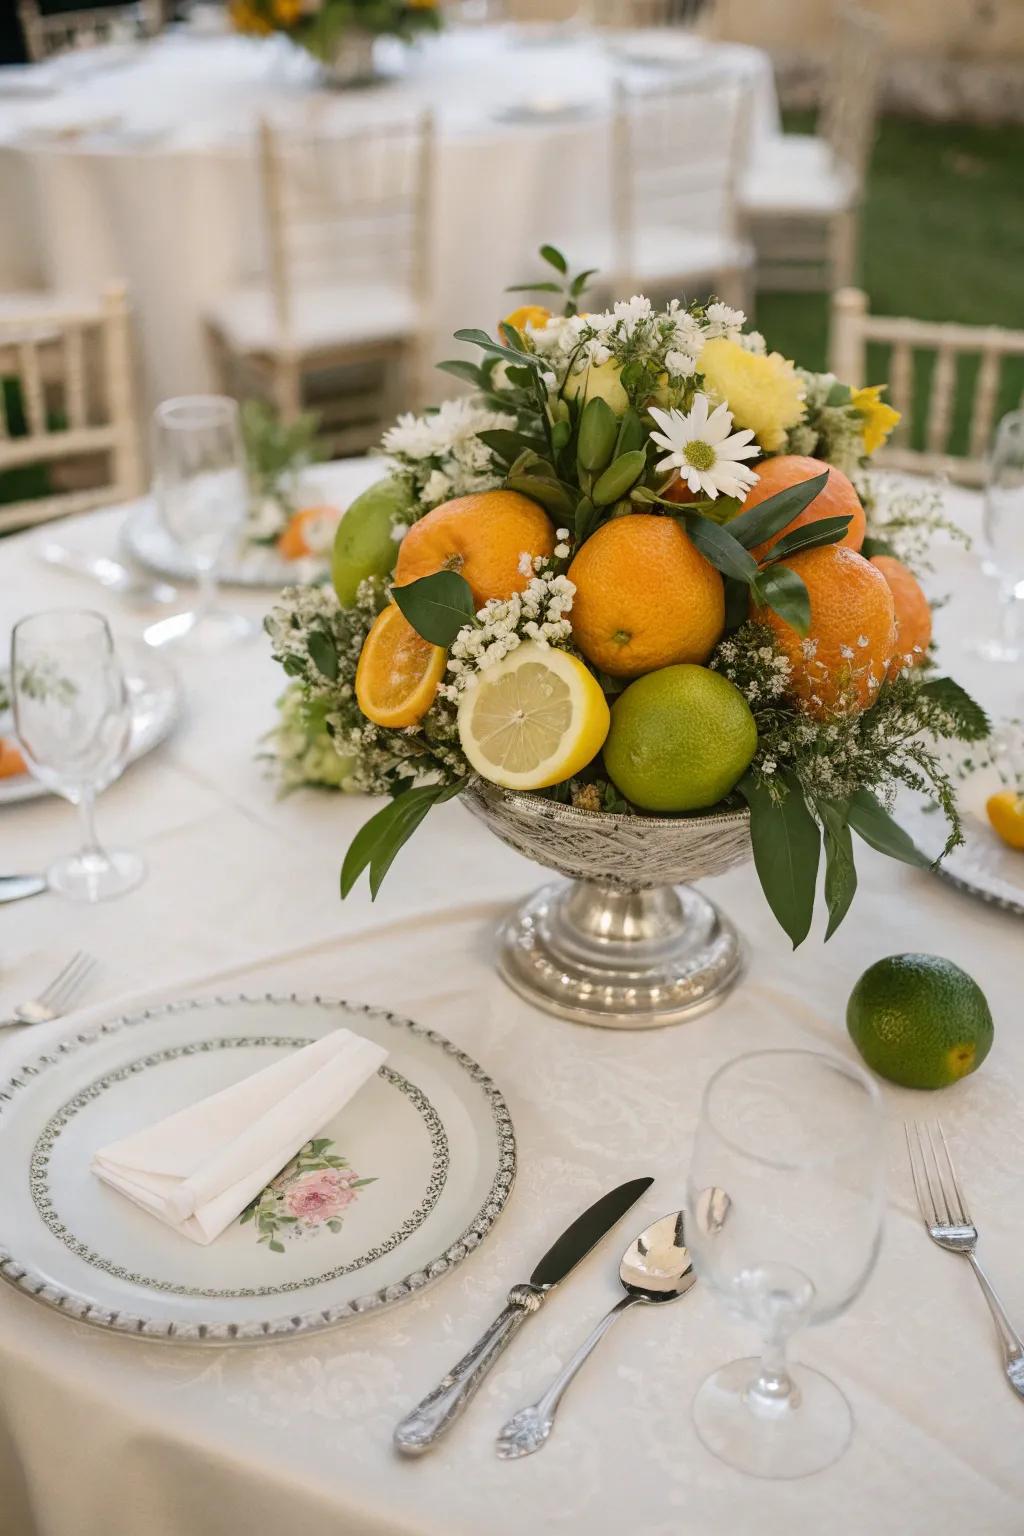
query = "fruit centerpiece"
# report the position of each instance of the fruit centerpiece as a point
(624, 600)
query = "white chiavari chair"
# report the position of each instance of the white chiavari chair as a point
(633, 15)
(338, 321)
(677, 156)
(802, 193)
(67, 403)
(946, 383)
(48, 33)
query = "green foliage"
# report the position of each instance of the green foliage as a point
(787, 846)
(379, 840)
(437, 606)
(570, 289)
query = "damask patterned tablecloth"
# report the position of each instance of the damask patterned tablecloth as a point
(104, 1436)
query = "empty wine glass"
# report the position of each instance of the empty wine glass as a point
(1003, 530)
(73, 719)
(793, 1139)
(201, 486)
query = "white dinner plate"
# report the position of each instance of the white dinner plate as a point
(984, 866)
(156, 698)
(147, 541)
(429, 1137)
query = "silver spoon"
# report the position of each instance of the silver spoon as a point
(656, 1267)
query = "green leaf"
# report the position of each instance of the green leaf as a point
(632, 434)
(462, 368)
(553, 495)
(619, 478)
(825, 530)
(437, 606)
(763, 521)
(737, 602)
(839, 394)
(971, 720)
(840, 870)
(534, 288)
(718, 545)
(508, 445)
(522, 378)
(247, 1215)
(380, 838)
(560, 434)
(275, 1246)
(580, 281)
(872, 822)
(478, 338)
(872, 547)
(359, 1183)
(324, 653)
(787, 846)
(782, 589)
(554, 258)
(586, 519)
(599, 427)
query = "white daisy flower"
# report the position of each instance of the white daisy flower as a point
(701, 448)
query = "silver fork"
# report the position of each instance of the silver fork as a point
(945, 1214)
(52, 1002)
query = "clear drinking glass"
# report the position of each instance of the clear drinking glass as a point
(793, 1140)
(1003, 530)
(73, 719)
(200, 482)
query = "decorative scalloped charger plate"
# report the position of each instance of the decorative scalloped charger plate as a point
(392, 1194)
(983, 866)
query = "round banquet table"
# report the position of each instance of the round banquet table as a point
(140, 167)
(106, 1436)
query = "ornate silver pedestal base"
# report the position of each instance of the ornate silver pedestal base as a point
(622, 959)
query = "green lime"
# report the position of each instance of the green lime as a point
(364, 545)
(919, 1020)
(680, 739)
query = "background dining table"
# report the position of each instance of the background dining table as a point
(137, 163)
(109, 1436)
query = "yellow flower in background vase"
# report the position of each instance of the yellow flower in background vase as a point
(286, 12)
(246, 18)
(879, 418)
(762, 390)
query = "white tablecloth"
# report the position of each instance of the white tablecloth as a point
(111, 1437)
(156, 183)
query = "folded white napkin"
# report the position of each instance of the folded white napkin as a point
(199, 1168)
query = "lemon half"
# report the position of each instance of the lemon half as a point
(533, 719)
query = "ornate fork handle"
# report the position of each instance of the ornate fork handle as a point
(1009, 1338)
(431, 1418)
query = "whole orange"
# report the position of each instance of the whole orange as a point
(645, 597)
(913, 613)
(838, 666)
(483, 536)
(838, 499)
(309, 531)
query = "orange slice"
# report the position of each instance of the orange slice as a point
(11, 761)
(398, 671)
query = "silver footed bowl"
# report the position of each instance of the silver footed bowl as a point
(623, 940)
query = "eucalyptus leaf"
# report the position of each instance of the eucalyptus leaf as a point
(718, 546)
(478, 338)
(522, 378)
(763, 521)
(825, 530)
(840, 870)
(787, 847)
(780, 588)
(871, 821)
(462, 368)
(437, 606)
(554, 258)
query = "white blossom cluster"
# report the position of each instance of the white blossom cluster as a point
(832, 432)
(441, 453)
(539, 612)
(670, 339)
(761, 673)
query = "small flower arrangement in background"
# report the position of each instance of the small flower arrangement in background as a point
(320, 25)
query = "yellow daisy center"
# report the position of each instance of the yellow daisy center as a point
(700, 455)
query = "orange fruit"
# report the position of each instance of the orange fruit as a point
(913, 614)
(300, 537)
(11, 761)
(839, 665)
(398, 671)
(527, 314)
(645, 597)
(838, 499)
(483, 536)
(1006, 813)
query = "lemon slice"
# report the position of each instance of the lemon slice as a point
(534, 719)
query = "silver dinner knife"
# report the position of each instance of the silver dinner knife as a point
(14, 887)
(430, 1419)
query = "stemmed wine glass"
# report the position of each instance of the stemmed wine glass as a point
(73, 718)
(793, 1139)
(1003, 528)
(200, 482)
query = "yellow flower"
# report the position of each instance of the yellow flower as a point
(422, 5)
(763, 392)
(286, 12)
(527, 314)
(246, 18)
(879, 419)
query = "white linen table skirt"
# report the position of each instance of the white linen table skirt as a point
(103, 1436)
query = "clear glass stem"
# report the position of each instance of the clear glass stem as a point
(773, 1390)
(206, 595)
(91, 848)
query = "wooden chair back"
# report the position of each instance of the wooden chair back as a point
(67, 402)
(978, 385)
(53, 32)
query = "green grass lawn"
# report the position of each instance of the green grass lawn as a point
(942, 238)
